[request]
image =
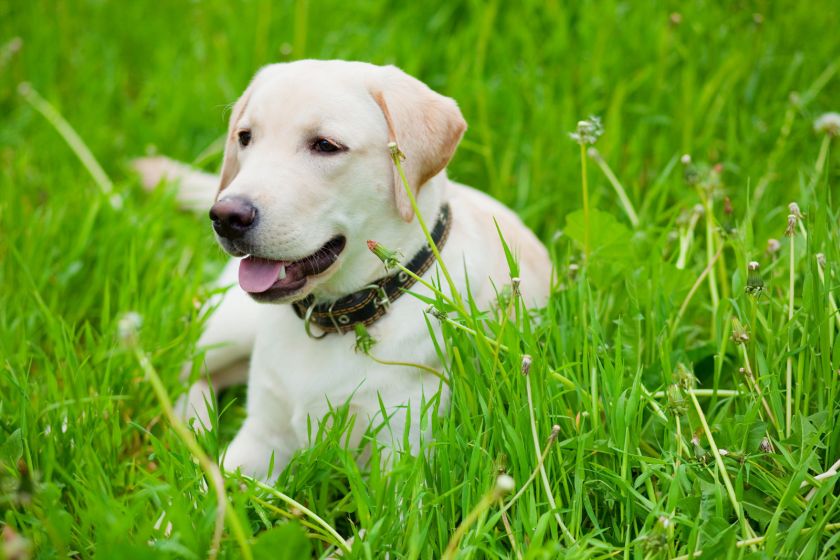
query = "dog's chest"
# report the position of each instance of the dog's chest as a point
(298, 375)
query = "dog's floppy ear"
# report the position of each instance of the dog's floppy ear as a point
(425, 125)
(230, 164)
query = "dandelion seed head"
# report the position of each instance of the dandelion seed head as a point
(128, 327)
(504, 485)
(588, 131)
(828, 123)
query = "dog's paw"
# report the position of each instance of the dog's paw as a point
(250, 453)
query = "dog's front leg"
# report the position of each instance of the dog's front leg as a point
(228, 340)
(256, 447)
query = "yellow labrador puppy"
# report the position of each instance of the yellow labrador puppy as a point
(307, 180)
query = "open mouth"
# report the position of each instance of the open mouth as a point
(267, 279)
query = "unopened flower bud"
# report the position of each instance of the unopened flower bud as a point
(395, 151)
(684, 377)
(754, 282)
(514, 285)
(676, 400)
(773, 246)
(525, 367)
(685, 159)
(739, 332)
(766, 445)
(388, 257)
(790, 230)
(436, 313)
(364, 342)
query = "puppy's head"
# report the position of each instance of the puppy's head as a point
(307, 176)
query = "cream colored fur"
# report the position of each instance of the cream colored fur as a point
(304, 199)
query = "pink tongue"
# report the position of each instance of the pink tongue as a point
(258, 275)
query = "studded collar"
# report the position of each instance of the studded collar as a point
(369, 304)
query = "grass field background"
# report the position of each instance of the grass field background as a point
(712, 466)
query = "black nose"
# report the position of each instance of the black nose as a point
(232, 217)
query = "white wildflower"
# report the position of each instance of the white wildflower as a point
(128, 327)
(588, 131)
(828, 123)
(504, 485)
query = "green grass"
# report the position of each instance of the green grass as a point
(88, 462)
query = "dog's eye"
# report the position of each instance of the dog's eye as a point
(244, 137)
(326, 146)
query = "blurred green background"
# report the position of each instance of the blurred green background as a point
(707, 78)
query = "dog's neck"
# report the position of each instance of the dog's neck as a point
(360, 267)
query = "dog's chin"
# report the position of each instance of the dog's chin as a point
(268, 279)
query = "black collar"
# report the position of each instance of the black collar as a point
(371, 302)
